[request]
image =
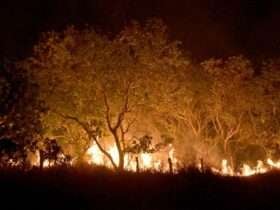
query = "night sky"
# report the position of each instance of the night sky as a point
(207, 28)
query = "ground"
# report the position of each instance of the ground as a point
(84, 187)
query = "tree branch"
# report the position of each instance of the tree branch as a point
(107, 112)
(90, 136)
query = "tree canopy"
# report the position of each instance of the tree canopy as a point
(139, 86)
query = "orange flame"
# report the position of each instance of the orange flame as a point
(247, 170)
(147, 161)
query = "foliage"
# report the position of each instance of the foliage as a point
(100, 87)
(49, 150)
(21, 110)
(137, 89)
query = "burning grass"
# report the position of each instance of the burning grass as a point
(158, 162)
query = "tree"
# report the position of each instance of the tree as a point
(266, 111)
(50, 151)
(229, 102)
(105, 87)
(20, 110)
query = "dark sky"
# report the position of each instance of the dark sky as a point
(206, 27)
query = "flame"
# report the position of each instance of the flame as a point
(275, 165)
(159, 162)
(246, 169)
(226, 169)
(146, 161)
(96, 155)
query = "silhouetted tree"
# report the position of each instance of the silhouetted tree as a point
(20, 110)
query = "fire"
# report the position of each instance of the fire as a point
(273, 164)
(247, 170)
(167, 161)
(226, 169)
(96, 155)
(146, 161)
(162, 161)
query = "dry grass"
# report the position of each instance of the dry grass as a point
(87, 187)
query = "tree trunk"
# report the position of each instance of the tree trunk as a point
(42, 158)
(121, 160)
(120, 151)
(137, 164)
(202, 165)
(170, 165)
(232, 162)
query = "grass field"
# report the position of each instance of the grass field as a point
(85, 187)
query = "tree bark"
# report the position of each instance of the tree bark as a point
(137, 165)
(170, 165)
(42, 158)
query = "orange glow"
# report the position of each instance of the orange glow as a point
(247, 170)
(159, 162)
(147, 161)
